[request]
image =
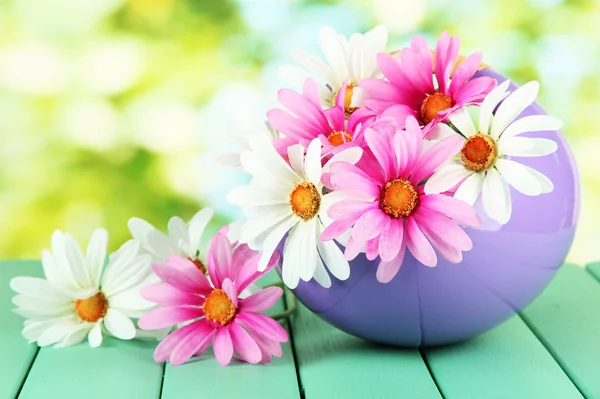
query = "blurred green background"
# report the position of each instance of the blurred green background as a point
(106, 106)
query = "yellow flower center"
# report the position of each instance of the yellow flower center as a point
(398, 198)
(199, 265)
(305, 200)
(219, 308)
(93, 308)
(337, 138)
(348, 109)
(479, 152)
(433, 104)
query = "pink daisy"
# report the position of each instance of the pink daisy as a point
(410, 88)
(386, 207)
(307, 120)
(214, 312)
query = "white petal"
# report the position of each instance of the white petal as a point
(526, 147)
(446, 177)
(315, 65)
(254, 195)
(95, 335)
(292, 252)
(75, 336)
(119, 260)
(197, 225)
(51, 270)
(96, 255)
(130, 299)
(533, 123)
(321, 276)
(524, 179)
(293, 75)
(470, 189)
(267, 165)
(334, 52)
(312, 165)
(512, 107)
(61, 262)
(296, 157)
(274, 239)
(119, 325)
(334, 258)
(489, 104)
(463, 122)
(259, 224)
(496, 197)
(178, 232)
(307, 232)
(57, 331)
(139, 228)
(350, 155)
(440, 131)
(77, 262)
(41, 309)
(131, 275)
(34, 328)
(39, 288)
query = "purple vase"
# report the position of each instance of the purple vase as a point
(507, 268)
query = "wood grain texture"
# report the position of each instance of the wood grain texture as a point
(505, 362)
(333, 364)
(16, 354)
(205, 377)
(566, 318)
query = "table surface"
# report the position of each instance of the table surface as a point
(550, 350)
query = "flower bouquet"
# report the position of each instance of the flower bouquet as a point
(417, 196)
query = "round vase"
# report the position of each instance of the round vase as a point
(507, 268)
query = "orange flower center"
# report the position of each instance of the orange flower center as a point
(305, 200)
(218, 308)
(348, 109)
(93, 308)
(337, 138)
(433, 104)
(479, 152)
(398, 198)
(199, 265)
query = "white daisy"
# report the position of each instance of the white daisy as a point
(284, 199)
(346, 60)
(77, 299)
(183, 238)
(483, 167)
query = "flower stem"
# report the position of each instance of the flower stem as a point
(290, 300)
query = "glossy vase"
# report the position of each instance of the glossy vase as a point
(507, 268)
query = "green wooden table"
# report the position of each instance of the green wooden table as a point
(551, 350)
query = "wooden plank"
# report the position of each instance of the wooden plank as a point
(594, 269)
(505, 362)
(566, 318)
(333, 364)
(16, 354)
(206, 377)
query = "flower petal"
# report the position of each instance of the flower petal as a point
(96, 255)
(197, 225)
(418, 244)
(526, 147)
(496, 197)
(263, 324)
(244, 344)
(453, 208)
(390, 239)
(196, 338)
(95, 335)
(524, 179)
(386, 271)
(533, 123)
(490, 103)
(166, 294)
(512, 107)
(223, 346)
(167, 316)
(119, 325)
(446, 177)
(262, 300)
(470, 189)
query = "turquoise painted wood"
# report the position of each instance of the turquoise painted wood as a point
(594, 270)
(206, 378)
(566, 318)
(333, 364)
(506, 362)
(16, 354)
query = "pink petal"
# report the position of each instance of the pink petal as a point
(391, 68)
(451, 207)
(386, 271)
(370, 225)
(353, 247)
(164, 349)
(336, 229)
(390, 239)
(444, 228)
(166, 316)
(249, 272)
(446, 52)
(416, 63)
(263, 324)
(192, 342)
(372, 248)
(408, 145)
(229, 288)
(244, 344)
(180, 281)
(418, 244)
(168, 295)
(309, 116)
(262, 300)
(220, 256)
(335, 116)
(399, 112)
(289, 126)
(465, 71)
(240, 255)
(188, 268)
(475, 90)
(349, 209)
(223, 346)
(441, 152)
(381, 148)
(354, 183)
(267, 347)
